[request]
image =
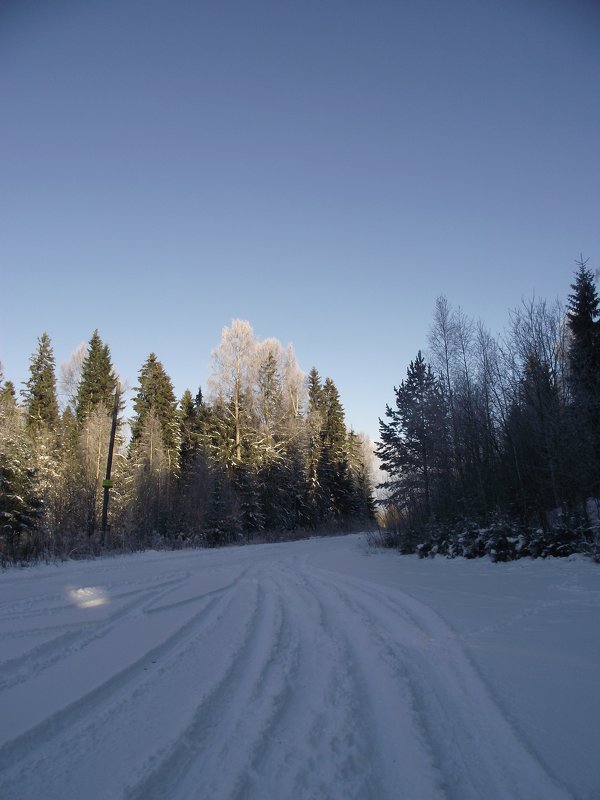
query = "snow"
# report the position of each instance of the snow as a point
(314, 669)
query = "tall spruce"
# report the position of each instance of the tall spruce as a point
(97, 384)
(40, 403)
(584, 326)
(584, 357)
(333, 469)
(315, 390)
(155, 395)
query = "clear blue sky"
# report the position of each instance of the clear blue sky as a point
(321, 169)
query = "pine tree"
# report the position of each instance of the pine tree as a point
(97, 384)
(413, 442)
(41, 406)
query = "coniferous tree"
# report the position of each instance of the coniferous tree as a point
(246, 485)
(333, 472)
(222, 524)
(21, 508)
(413, 442)
(584, 325)
(314, 425)
(189, 430)
(534, 446)
(269, 397)
(8, 394)
(584, 363)
(315, 390)
(362, 500)
(41, 406)
(155, 395)
(97, 383)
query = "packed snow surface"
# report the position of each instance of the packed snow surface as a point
(315, 669)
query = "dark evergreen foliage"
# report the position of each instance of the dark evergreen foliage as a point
(503, 461)
(8, 394)
(414, 443)
(39, 395)
(155, 394)
(97, 383)
(584, 374)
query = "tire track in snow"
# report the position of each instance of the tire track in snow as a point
(401, 762)
(54, 602)
(18, 756)
(172, 771)
(478, 751)
(291, 681)
(291, 739)
(340, 750)
(77, 636)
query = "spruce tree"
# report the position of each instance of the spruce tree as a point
(155, 394)
(335, 486)
(584, 363)
(21, 506)
(584, 326)
(41, 406)
(8, 394)
(246, 485)
(189, 436)
(269, 396)
(362, 501)
(97, 384)
(315, 390)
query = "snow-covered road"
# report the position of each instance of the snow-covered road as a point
(306, 670)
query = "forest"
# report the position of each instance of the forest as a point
(492, 446)
(265, 455)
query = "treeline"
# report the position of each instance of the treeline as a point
(266, 454)
(493, 446)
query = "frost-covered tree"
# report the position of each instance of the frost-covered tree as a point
(70, 376)
(232, 377)
(20, 503)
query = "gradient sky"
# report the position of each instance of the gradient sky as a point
(322, 169)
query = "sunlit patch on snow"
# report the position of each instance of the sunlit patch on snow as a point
(88, 596)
